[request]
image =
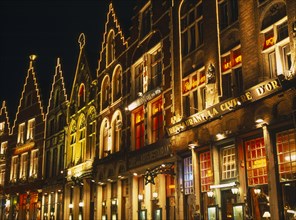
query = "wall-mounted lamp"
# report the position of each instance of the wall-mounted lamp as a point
(259, 120)
(266, 215)
(235, 190)
(140, 197)
(192, 144)
(114, 201)
(210, 194)
(155, 195)
(71, 206)
(81, 204)
(140, 94)
(257, 191)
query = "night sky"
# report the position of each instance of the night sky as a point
(50, 29)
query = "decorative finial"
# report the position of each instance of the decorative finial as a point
(81, 40)
(32, 57)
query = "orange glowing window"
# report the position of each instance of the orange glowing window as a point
(206, 171)
(157, 120)
(139, 128)
(256, 161)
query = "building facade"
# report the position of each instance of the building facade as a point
(191, 117)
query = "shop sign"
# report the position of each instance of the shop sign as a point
(149, 156)
(24, 148)
(251, 95)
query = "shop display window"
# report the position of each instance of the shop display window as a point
(228, 163)
(188, 176)
(286, 154)
(206, 171)
(256, 161)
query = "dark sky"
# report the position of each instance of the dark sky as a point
(50, 29)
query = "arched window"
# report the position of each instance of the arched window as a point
(105, 92)
(116, 83)
(80, 147)
(110, 48)
(91, 141)
(116, 131)
(105, 138)
(71, 147)
(81, 95)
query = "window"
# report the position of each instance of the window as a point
(110, 47)
(147, 71)
(81, 95)
(276, 48)
(29, 100)
(24, 166)
(51, 127)
(192, 28)
(91, 143)
(105, 92)
(117, 83)
(145, 21)
(31, 129)
(2, 127)
(80, 148)
(34, 164)
(228, 163)
(206, 171)
(157, 120)
(156, 69)
(193, 89)
(21, 131)
(139, 128)
(2, 175)
(286, 153)
(54, 162)
(57, 98)
(188, 176)
(14, 168)
(116, 131)
(228, 13)
(3, 148)
(256, 162)
(232, 78)
(70, 154)
(105, 138)
(48, 163)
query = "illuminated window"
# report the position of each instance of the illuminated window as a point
(21, 133)
(157, 120)
(276, 43)
(70, 153)
(117, 83)
(232, 78)
(14, 170)
(81, 95)
(3, 148)
(105, 92)
(110, 47)
(116, 131)
(145, 21)
(228, 163)
(286, 153)
(192, 27)
(193, 89)
(139, 128)
(104, 138)
(256, 162)
(147, 71)
(2, 175)
(188, 176)
(34, 164)
(24, 166)
(2, 127)
(91, 144)
(228, 12)
(80, 147)
(206, 171)
(156, 69)
(31, 129)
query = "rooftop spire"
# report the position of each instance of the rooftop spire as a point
(32, 59)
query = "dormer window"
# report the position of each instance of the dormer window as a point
(110, 56)
(145, 21)
(81, 95)
(21, 131)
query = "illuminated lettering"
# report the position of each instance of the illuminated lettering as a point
(267, 87)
